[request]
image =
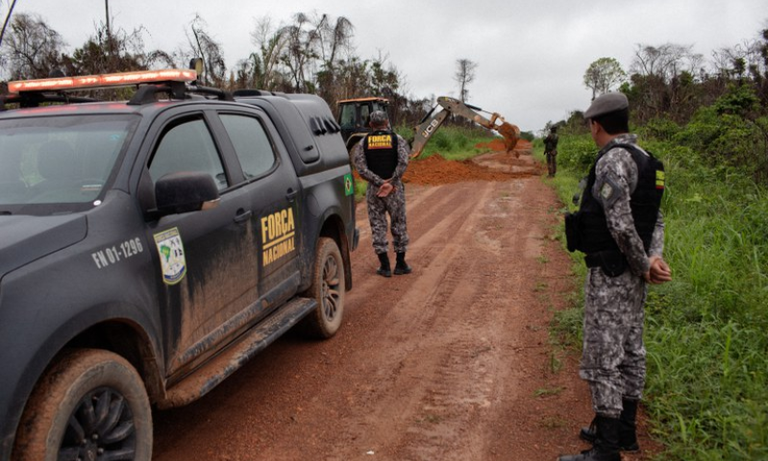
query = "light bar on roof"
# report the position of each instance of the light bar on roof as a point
(103, 80)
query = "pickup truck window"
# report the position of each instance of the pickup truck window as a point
(252, 145)
(58, 159)
(188, 146)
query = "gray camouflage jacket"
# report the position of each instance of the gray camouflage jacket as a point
(616, 180)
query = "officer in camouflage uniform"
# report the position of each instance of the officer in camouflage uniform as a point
(381, 159)
(620, 229)
(550, 151)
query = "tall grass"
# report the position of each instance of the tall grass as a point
(707, 385)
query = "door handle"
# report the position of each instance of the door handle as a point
(243, 216)
(291, 195)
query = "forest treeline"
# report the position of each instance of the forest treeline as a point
(716, 107)
(667, 84)
(314, 53)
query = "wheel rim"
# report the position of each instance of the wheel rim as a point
(101, 427)
(331, 296)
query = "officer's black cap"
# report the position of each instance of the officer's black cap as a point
(607, 103)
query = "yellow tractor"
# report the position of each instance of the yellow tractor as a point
(354, 115)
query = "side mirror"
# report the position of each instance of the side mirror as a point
(185, 191)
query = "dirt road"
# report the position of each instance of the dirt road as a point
(451, 362)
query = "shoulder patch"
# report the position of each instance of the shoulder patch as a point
(609, 191)
(606, 191)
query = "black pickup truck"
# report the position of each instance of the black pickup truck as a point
(150, 247)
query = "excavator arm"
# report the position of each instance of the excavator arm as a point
(451, 106)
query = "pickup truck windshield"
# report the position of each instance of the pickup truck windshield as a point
(58, 159)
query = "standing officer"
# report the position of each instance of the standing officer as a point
(620, 229)
(381, 159)
(550, 151)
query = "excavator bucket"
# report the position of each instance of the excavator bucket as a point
(511, 134)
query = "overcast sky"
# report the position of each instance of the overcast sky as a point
(530, 56)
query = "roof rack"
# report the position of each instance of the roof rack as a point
(147, 94)
(246, 92)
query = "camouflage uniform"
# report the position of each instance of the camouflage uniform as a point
(613, 360)
(394, 203)
(550, 152)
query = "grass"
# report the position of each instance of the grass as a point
(707, 383)
(455, 142)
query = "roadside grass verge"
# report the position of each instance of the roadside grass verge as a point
(707, 383)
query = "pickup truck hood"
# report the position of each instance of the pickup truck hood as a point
(24, 239)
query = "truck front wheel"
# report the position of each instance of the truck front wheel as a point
(91, 404)
(327, 289)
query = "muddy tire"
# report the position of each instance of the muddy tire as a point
(327, 289)
(91, 404)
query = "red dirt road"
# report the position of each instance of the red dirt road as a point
(451, 362)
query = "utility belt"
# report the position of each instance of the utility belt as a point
(612, 262)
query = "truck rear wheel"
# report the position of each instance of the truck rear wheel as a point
(328, 289)
(91, 404)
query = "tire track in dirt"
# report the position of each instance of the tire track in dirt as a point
(449, 363)
(453, 284)
(472, 367)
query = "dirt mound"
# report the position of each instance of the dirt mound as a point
(495, 166)
(497, 145)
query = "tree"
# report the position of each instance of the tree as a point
(465, 74)
(263, 68)
(665, 61)
(302, 50)
(204, 46)
(664, 82)
(31, 48)
(109, 51)
(335, 44)
(602, 75)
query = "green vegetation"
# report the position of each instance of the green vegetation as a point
(453, 142)
(707, 384)
(707, 388)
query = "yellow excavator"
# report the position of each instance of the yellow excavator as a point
(354, 113)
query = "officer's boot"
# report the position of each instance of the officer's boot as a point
(385, 269)
(401, 267)
(627, 428)
(606, 444)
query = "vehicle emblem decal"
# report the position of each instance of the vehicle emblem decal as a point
(171, 251)
(349, 185)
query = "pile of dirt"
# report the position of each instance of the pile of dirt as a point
(493, 166)
(496, 165)
(437, 170)
(497, 145)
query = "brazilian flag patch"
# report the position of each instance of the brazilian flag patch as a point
(659, 179)
(349, 185)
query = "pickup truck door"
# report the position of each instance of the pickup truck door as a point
(206, 259)
(273, 188)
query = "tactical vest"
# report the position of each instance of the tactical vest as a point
(550, 142)
(592, 235)
(380, 149)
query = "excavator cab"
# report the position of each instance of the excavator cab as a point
(354, 115)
